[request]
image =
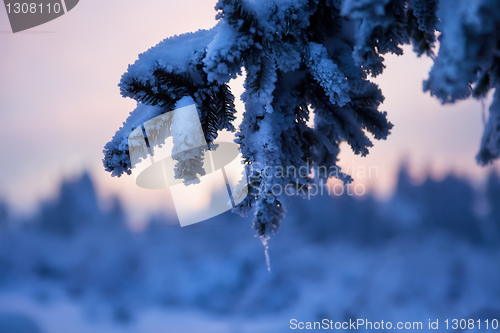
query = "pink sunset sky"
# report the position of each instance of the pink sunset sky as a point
(60, 104)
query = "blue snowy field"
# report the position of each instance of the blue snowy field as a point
(429, 253)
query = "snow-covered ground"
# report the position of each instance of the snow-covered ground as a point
(424, 255)
(405, 280)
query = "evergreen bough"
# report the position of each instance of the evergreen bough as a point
(310, 56)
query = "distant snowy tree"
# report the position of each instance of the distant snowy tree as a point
(310, 56)
(4, 215)
(77, 206)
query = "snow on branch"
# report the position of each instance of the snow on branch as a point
(304, 57)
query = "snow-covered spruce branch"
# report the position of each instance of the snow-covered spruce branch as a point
(303, 56)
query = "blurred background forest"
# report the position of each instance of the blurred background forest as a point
(430, 251)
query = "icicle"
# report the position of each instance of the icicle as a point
(265, 242)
